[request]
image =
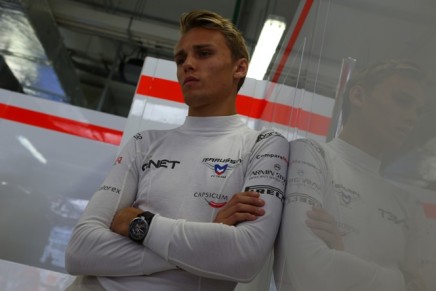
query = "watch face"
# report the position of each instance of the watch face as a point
(138, 229)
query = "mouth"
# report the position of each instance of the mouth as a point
(189, 80)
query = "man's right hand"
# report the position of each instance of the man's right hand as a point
(244, 206)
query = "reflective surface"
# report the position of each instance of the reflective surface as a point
(21, 277)
(367, 32)
(47, 175)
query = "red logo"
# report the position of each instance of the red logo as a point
(215, 204)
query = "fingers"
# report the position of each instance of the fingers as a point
(245, 202)
(244, 206)
(321, 219)
(324, 226)
(320, 214)
(249, 197)
(321, 225)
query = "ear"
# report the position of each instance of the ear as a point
(241, 68)
(357, 96)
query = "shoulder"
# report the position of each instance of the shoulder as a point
(269, 134)
(270, 142)
(270, 138)
(308, 145)
(150, 135)
(143, 139)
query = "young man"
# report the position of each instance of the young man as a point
(151, 226)
(363, 244)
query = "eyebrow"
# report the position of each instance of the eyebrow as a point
(411, 98)
(196, 47)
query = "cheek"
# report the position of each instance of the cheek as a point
(219, 68)
(394, 114)
(385, 113)
(179, 74)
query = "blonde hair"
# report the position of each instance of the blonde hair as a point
(377, 73)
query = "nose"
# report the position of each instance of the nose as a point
(188, 64)
(412, 115)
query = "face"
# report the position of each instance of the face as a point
(391, 109)
(207, 73)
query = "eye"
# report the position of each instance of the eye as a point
(179, 60)
(402, 99)
(204, 53)
(407, 101)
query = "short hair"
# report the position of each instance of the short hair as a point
(211, 20)
(377, 73)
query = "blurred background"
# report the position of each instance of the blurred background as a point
(90, 53)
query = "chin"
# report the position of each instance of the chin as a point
(397, 143)
(190, 100)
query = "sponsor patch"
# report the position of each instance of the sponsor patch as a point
(302, 198)
(214, 200)
(267, 135)
(109, 188)
(346, 195)
(303, 182)
(160, 164)
(267, 174)
(221, 167)
(305, 164)
(388, 215)
(273, 156)
(267, 190)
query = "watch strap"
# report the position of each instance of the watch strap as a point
(147, 215)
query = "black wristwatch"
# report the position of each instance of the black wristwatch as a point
(139, 226)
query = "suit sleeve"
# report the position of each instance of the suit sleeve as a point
(219, 251)
(304, 262)
(93, 248)
(419, 268)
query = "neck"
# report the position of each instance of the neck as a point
(358, 137)
(214, 112)
(222, 109)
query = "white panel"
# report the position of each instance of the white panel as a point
(15, 277)
(46, 179)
